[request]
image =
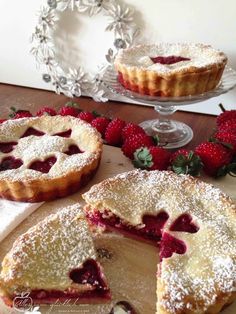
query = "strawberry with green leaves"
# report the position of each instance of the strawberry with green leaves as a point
(184, 161)
(69, 109)
(215, 157)
(152, 158)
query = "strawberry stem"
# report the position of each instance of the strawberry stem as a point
(222, 108)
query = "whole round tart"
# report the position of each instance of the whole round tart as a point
(46, 157)
(170, 70)
(192, 223)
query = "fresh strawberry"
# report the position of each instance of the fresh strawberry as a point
(2, 120)
(113, 132)
(19, 113)
(152, 158)
(215, 157)
(225, 116)
(100, 124)
(228, 126)
(134, 142)
(86, 116)
(131, 129)
(69, 109)
(184, 161)
(46, 111)
(228, 139)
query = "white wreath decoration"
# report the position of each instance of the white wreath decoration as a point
(76, 82)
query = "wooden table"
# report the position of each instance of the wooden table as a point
(33, 99)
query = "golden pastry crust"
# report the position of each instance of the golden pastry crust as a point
(42, 258)
(69, 172)
(202, 280)
(198, 75)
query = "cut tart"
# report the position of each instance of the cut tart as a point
(193, 224)
(170, 69)
(46, 157)
(55, 260)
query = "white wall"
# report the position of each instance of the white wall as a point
(83, 40)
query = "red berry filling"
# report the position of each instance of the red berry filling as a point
(184, 223)
(151, 231)
(168, 60)
(170, 245)
(89, 274)
(7, 147)
(154, 225)
(43, 166)
(64, 133)
(72, 150)
(9, 163)
(32, 131)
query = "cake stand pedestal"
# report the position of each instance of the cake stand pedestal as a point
(171, 133)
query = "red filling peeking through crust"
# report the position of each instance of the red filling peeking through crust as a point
(32, 131)
(89, 273)
(152, 229)
(168, 59)
(43, 166)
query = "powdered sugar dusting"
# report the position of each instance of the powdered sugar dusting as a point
(43, 257)
(201, 56)
(208, 269)
(32, 148)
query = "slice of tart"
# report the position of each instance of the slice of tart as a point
(55, 260)
(192, 223)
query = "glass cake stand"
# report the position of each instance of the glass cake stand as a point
(171, 133)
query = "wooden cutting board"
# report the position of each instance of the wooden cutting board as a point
(130, 266)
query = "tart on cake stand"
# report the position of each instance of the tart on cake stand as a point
(171, 133)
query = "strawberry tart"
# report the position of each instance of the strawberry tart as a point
(192, 223)
(46, 157)
(170, 69)
(55, 260)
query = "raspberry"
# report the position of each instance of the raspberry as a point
(86, 116)
(2, 120)
(215, 158)
(46, 111)
(100, 124)
(131, 129)
(134, 142)
(113, 132)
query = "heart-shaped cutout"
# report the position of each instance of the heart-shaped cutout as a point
(89, 273)
(168, 59)
(32, 131)
(170, 245)
(9, 163)
(63, 134)
(154, 225)
(43, 166)
(184, 223)
(7, 147)
(72, 150)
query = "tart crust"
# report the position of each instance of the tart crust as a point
(137, 73)
(69, 172)
(41, 261)
(198, 277)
